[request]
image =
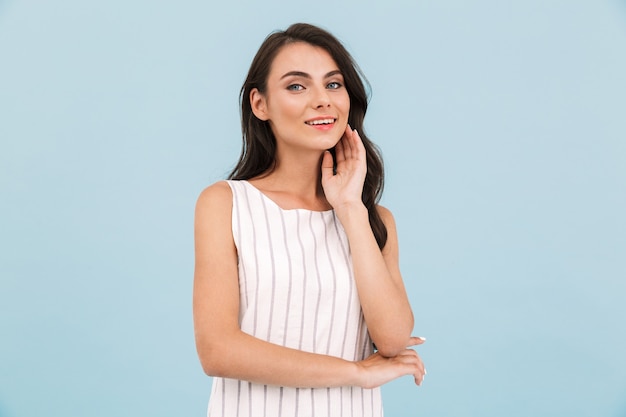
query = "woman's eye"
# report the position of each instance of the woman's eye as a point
(334, 85)
(295, 87)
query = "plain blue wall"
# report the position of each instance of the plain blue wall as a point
(504, 132)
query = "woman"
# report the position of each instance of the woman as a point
(299, 305)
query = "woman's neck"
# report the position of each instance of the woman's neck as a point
(296, 182)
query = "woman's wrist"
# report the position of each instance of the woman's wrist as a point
(356, 375)
(351, 212)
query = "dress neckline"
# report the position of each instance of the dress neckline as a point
(275, 204)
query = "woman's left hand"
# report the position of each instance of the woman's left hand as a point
(345, 187)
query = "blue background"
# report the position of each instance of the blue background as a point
(504, 133)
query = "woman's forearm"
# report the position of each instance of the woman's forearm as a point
(383, 297)
(241, 356)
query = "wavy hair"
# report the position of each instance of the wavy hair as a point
(259, 145)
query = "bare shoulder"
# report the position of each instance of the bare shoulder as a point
(214, 210)
(213, 219)
(217, 197)
(386, 215)
(390, 250)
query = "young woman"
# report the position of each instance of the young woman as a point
(299, 305)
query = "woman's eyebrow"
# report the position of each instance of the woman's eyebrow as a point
(306, 75)
(295, 74)
(333, 73)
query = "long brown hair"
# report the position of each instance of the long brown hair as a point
(259, 145)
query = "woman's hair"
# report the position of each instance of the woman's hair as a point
(259, 145)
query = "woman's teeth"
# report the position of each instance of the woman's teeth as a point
(321, 122)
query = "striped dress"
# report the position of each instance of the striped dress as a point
(297, 290)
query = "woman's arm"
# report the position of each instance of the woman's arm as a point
(383, 297)
(379, 283)
(224, 350)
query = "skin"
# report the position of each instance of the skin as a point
(304, 84)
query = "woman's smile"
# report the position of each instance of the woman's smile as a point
(305, 100)
(322, 123)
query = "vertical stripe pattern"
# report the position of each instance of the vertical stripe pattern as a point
(297, 290)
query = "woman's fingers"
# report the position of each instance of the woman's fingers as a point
(419, 377)
(350, 147)
(412, 356)
(381, 370)
(416, 340)
(344, 150)
(346, 183)
(358, 147)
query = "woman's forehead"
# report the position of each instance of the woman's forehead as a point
(302, 57)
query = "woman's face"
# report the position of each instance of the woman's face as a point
(305, 102)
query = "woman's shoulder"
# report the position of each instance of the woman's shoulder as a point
(391, 246)
(212, 222)
(386, 215)
(216, 196)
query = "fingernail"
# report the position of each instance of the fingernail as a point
(423, 339)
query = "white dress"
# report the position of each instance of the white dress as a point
(296, 289)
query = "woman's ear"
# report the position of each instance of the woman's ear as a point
(258, 104)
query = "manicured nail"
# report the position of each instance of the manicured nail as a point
(423, 339)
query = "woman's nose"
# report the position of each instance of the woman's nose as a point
(320, 98)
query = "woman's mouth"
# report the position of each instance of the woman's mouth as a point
(321, 122)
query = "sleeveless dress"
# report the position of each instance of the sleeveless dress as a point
(296, 289)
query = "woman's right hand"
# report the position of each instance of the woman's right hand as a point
(377, 370)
